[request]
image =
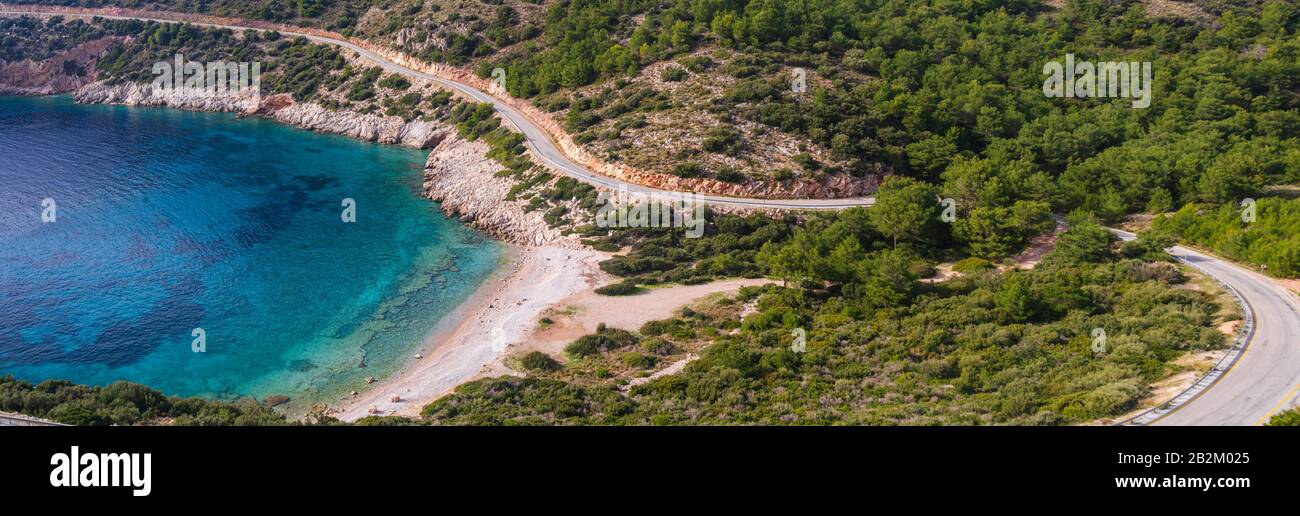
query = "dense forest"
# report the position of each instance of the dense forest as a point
(950, 91)
(1265, 233)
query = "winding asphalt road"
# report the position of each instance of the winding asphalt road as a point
(1259, 377)
(1261, 373)
(1265, 379)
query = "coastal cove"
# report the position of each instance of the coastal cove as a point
(170, 221)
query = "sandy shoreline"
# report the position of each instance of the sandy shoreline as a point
(501, 318)
(472, 340)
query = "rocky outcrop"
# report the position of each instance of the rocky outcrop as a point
(144, 94)
(383, 129)
(458, 173)
(460, 176)
(62, 73)
(387, 129)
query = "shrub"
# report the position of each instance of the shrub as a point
(1288, 418)
(806, 161)
(395, 82)
(697, 64)
(658, 346)
(731, 175)
(723, 140)
(656, 328)
(586, 345)
(360, 91)
(637, 360)
(622, 288)
(577, 121)
(538, 361)
(673, 74)
(410, 99)
(1159, 271)
(972, 265)
(605, 339)
(688, 170)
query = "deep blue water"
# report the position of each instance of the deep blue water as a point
(170, 220)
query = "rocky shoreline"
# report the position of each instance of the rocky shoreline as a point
(460, 176)
(382, 129)
(458, 173)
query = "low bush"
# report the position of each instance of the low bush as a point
(673, 74)
(637, 360)
(972, 265)
(622, 288)
(538, 361)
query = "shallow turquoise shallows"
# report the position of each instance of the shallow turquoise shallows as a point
(166, 222)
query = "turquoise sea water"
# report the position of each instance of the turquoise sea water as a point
(168, 221)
